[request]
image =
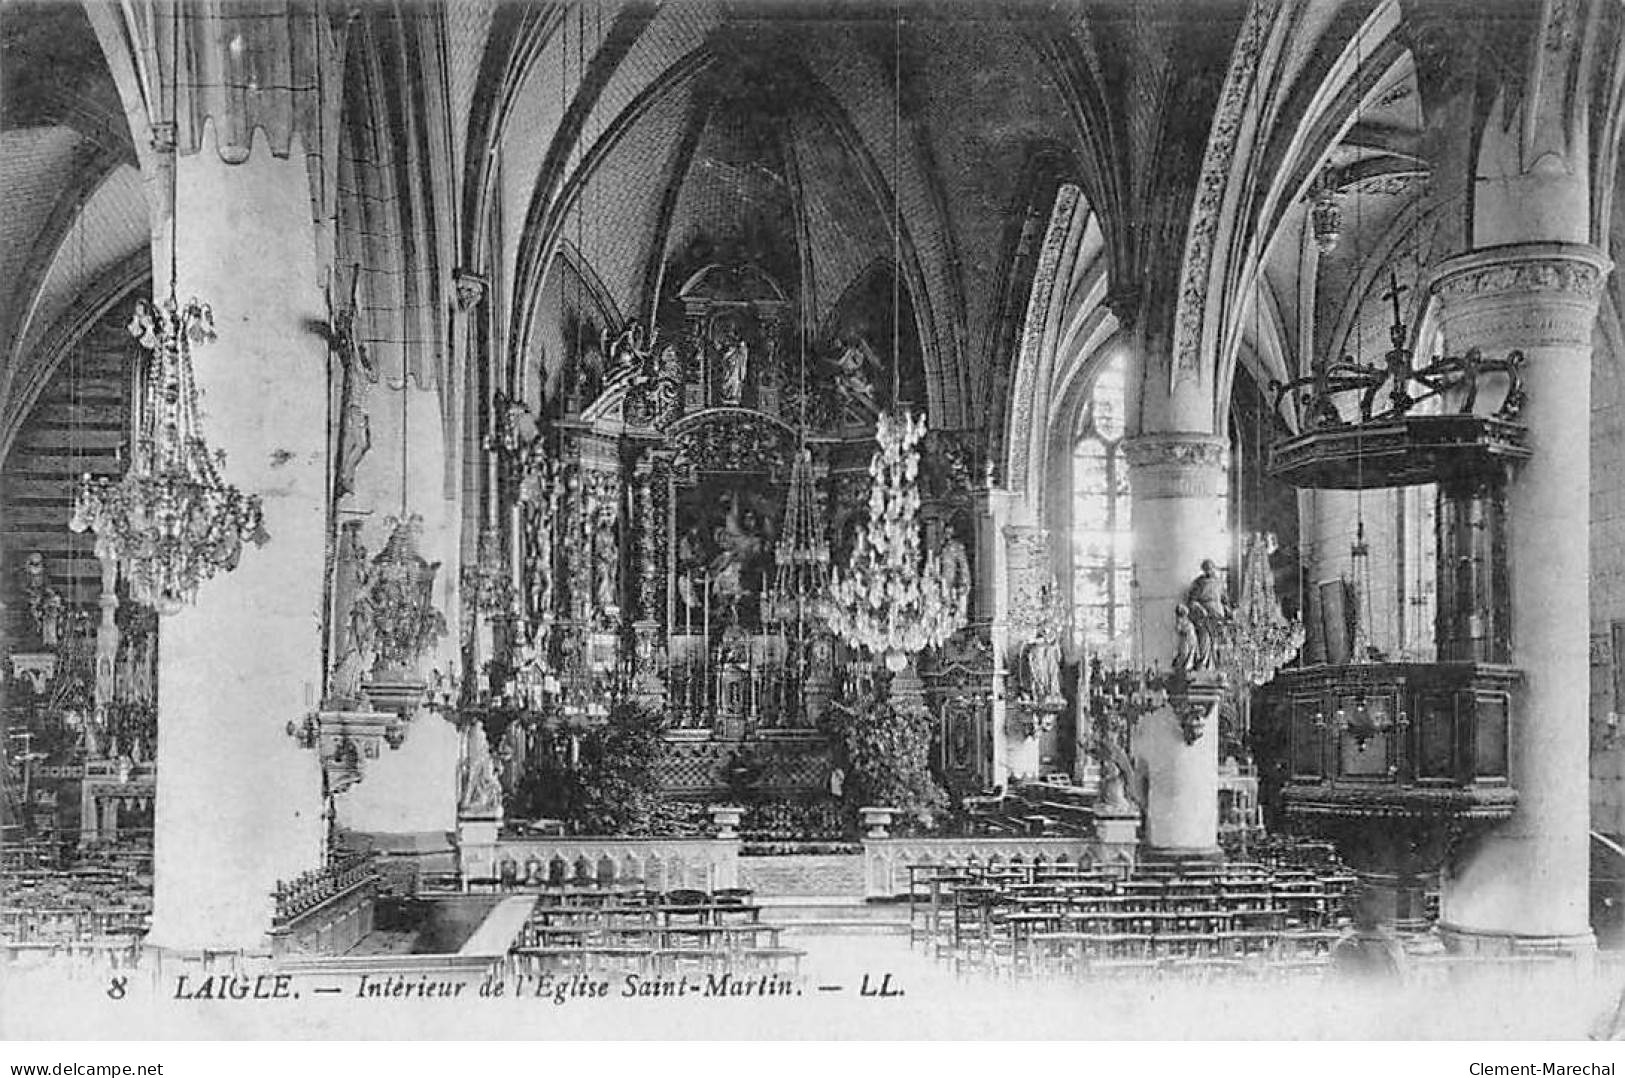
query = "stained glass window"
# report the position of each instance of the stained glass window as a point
(1102, 537)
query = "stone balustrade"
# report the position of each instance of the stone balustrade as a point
(661, 864)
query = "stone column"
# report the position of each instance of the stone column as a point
(1524, 885)
(239, 803)
(1178, 522)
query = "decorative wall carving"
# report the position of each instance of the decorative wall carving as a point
(1235, 105)
(1031, 580)
(1581, 279)
(1026, 393)
(1521, 297)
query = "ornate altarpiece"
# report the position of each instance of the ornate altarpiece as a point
(643, 527)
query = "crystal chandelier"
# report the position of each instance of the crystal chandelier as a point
(801, 555)
(886, 601)
(171, 522)
(1261, 639)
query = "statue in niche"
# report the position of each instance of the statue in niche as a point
(735, 363)
(1209, 607)
(606, 557)
(855, 367)
(955, 562)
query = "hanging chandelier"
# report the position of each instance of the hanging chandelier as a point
(1261, 639)
(171, 522)
(887, 601)
(801, 554)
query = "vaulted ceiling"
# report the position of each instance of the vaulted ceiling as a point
(73, 231)
(792, 135)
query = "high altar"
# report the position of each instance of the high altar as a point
(665, 515)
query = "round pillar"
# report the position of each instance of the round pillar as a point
(239, 803)
(1178, 516)
(1524, 884)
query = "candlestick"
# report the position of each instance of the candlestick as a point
(705, 638)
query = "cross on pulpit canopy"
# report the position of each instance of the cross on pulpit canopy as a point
(1397, 329)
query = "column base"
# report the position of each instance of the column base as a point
(477, 848)
(1181, 855)
(1580, 946)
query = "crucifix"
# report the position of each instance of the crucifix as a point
(1395, 290)
(1398, 357)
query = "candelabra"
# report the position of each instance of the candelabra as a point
(886, 601)
(1260, 639)
(171, 522)
(1368, 718)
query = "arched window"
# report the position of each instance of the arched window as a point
(1102, 535)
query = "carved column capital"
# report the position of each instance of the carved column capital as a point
(1175, 465)
(1526, 295)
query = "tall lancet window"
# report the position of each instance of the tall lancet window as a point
(1102, 537)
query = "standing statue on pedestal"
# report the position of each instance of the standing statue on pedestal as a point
(479, 792)
(1044, 666)
(1187, 645)
(1209, 606)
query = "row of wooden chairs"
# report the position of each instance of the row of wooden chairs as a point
(638, 929)
(86, 903)
(1042, 919)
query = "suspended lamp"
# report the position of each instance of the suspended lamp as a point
(887, 601)
(172, 521)
(1261, 639)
